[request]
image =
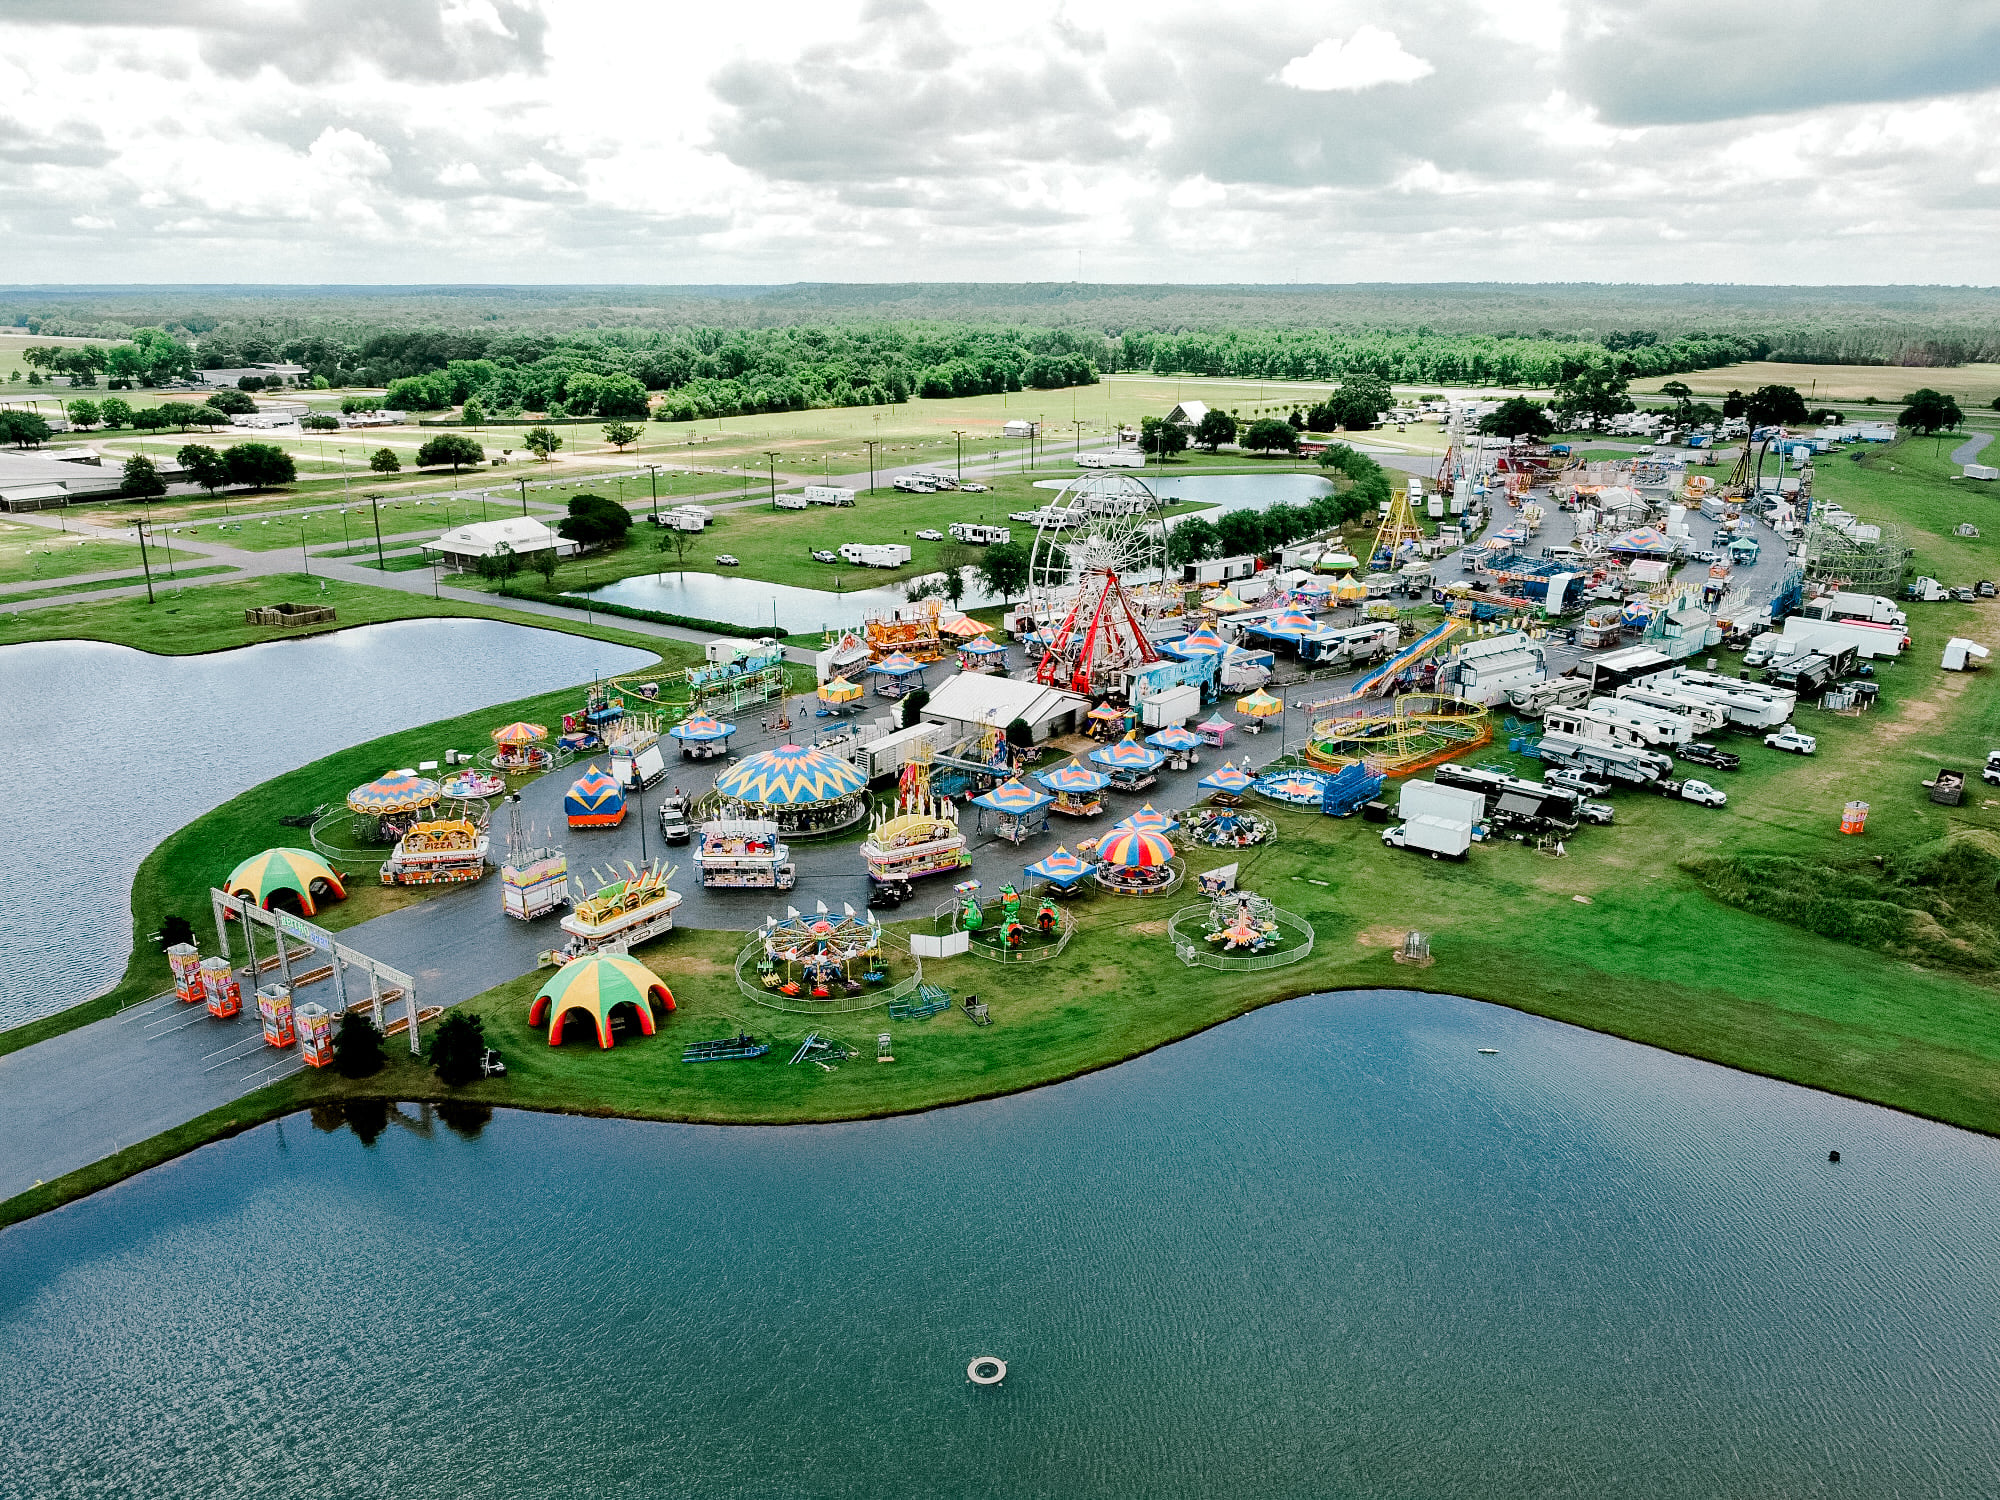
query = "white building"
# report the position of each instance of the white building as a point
(975, 701)
(260, 372)
(1020, 427)
(523, 535)
(1188, 413)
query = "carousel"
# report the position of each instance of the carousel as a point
(1020, 810)
(518, 747)
(470, 786)
(1223, 827)
(1137, 864)
(1133, 766)
(822, 956)
(394, 801)
(1300, 788)
(1075, 787)
(802, 789)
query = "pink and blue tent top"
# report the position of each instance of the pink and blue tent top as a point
(1129, 755)
(1644, 541)
(982, 647)
(1225, 778)
(594, 801)
(1202, 642)
(1129, 849)
(1061, 869)
(702, 728)
(1015, 798)
(1290, 625)
(898, 665)
(1074, 777)
(1148, 819)
(1174, 738)
(1306, 788)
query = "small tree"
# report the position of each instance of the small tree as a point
(1004, 570)
(357, 1047)
(1517, 416)
(384, 461)
(234, 402)
(673, 539)
(1020, 735)
(453, 448)
(1930, 411)
(459, 1048)
(83, 414)
(1215, 428)
(116, 411)
(142, 481)
(620, 434)
(541, 442)
(545, 564)
(1270, 435)
(1162, 438)
(211, 417)
(473, 413)
(203, 465)
(914, 703)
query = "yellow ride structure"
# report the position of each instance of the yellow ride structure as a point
(1415, 732)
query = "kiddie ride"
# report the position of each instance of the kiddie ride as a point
(432, 853)
(621, 913)
(1244, 922)
(1010, 932)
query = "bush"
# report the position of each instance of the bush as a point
(915, 701)
(142, 481)
(357, 1047)
(459, 1048)
(594, 521)
(320, 421)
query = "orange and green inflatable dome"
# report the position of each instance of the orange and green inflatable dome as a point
(597, 985)
(300, 871)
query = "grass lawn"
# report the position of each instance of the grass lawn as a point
(1973, 385)
(28, 553)
(164, 583)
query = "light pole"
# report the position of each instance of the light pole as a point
(654, 471)
(869, 444)
(771, 464)
(139, 524)
(960, 435)
(639, 797)
(523, 483)
(375, 509)
(304, 556)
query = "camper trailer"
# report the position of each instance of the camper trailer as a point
(826, 494)
(875, 554)
(981, 536)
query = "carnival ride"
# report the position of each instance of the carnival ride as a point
(997, 929)
(534, 876)
(392, 800)
(914, 630)
(1398, 535)
(1096, 574)
(599, 986)
(1131, 863)
(920, 836)
(276, 874)
(1417, 731)
(1133, 766)
(437, 851)
(621, 912)
(1021, 810)
(1296, 786)
(470, 785)
(803, 789)
(1239, 930)
(1075, 787)
(822, 956)
(518, 747)
(1227, 827)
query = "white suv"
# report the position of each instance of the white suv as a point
(1702, 792)
(1792, 740)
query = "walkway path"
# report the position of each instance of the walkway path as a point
(1968, 451)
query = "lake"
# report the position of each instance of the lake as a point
(1327, 1249)
(127, 747)
(1227, 491)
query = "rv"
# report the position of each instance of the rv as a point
(1701, 714)
(1609, 762)
(875, 554)
(1116, 458)
(1654, 726)
(1219, 569)
(1595, 724)
(1747, 705)
(1868, 639)
(1534, 806)
(1611, 670)
(910, 484)
(826, 494)
(685, 518)
(1555, 692)
(1358, 643)
(971, 531)
(790, 500)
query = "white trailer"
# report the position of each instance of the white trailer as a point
(1175, 705)
(1869, 640)
(790, 500)
(911, 485)
(1961, 655)
(888, 755)
(1606, 761)
(1654, 726)
(1436, 819)
(685, 518)
(1702, 715)
(1115, 458)
(983, 536)
(1843, 605)
(827, 494)
(875, 554)
(1748, 705)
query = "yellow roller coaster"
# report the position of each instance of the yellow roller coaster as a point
(1415, 732)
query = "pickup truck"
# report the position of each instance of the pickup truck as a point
(674, 820)
(1576, 781)
(1792, 740)
(1600, 813)
(1704, 754)
(1701, 792)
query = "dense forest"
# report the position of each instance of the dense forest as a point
(689, 352)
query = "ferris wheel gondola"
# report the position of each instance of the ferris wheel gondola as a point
(1096, 575)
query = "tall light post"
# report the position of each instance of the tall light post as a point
(523, 483)
(139, 525)
(304, 556)
(654, 471)
(771, 463)
(960, 435)
(375, 510)
(869, 444)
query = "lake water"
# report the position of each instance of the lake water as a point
(1327, 1249)
(117, 749)
(719, 596)
(1227, 491)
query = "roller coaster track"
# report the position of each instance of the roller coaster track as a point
(1378, 680)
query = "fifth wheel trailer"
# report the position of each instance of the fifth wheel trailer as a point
(1867, 638)
(1747, 705)
(1626, 763)
(1654, 726)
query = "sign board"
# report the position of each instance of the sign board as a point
(304, 931)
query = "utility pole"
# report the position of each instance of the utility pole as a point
(960, 435)
(771, 464)
(523, 483)
(869, 444)
(654, 470)
(139, 524)
(304, 556)
(374, 509)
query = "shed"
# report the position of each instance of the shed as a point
(1188, 413)
(466, 545)
(975, 701)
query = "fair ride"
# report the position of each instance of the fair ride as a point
(1006, 929)
(1097, 574)
(1413, 733)
(621, 911)
(823, 961)
(1239, 930)
(920, 836)
(1131, 863)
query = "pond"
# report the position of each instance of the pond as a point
(129, 747)
(1327, 1249)
(1227, 491)
(716, 596)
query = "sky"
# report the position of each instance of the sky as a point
(1842, 141)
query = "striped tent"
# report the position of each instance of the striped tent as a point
(1174, 737)
(1129, 755)
(300, 871)
(1015, 797)
(1224, 603)
(1062, 869)
(519, 733)
(1202, 642)
(702, 727)
(1260, 705)
(1225, 778)
(1074, 777)
(1148, 819)
(897, 665)
(982, 647)
(840, 690)
(597, 985)
(397, 792)
(594, 801)
(791, 776)
(1293, 622)
(1130, 849)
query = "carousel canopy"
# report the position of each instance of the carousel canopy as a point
(1174, 737)
(1202, 642)
(702, 727)
(982, 647)
(1105, 713)
(1225, 778)
(1292, 622)
(1260, 705)
(397, 792)
(1129, 755)
(790, 776)
(1311, 585)
(294, 870)
(593, 792)
(1014, 796)
(1133, 850)
(1074, 777)
(519, 733)
(1302, 787)
(1148, 819)
(840, 690)
(1336, 561)
(1060, 868)
(596, 985)
(897, 665)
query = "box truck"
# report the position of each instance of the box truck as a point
(1848, 606)
(1868, 639)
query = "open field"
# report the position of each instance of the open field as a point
(1973, 385)
(28, 553)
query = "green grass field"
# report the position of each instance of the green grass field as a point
(1973, 385)
(31, 553)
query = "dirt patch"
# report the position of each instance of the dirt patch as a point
(1156, 928)
(1381, 937)
(1916, 714)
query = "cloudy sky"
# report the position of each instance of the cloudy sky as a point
(875, 140)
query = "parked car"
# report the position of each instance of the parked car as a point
(973, 489)
(674, 820)
(1703, 793)
(725, 560)
(928, 534)
(820, 556)
(1962, 596)
(1792, 740)
(1600, 813)
(1704, 754)
(1984, 588)
(1576, 781)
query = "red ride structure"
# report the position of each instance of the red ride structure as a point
(1101, 538)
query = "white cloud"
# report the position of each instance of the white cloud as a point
(1370, 57)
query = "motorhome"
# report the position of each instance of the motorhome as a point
(1115, 458)
(1555, 692)
(875, 554)
(912, 485)
(1654, 726)
(1748, 705)
(1703, 715)
(1606, 760)
(982, 536)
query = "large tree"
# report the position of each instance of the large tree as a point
(541, 442)
(203, 465)
(1927, 411)
(23, 427)
(1215, 428)
(1593, 394)
(1003, 568)
(1356, 405)
(1271, 435)
(453, 448)
(1517, 416)
(142, 481)
(1775, 406)
(1190, 540)
(594, 521)
(1240, 533)
(1162, 438)
(260, 465)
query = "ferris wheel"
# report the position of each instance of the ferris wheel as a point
(1097, 572)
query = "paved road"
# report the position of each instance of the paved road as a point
(1968, 451)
